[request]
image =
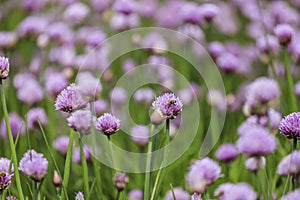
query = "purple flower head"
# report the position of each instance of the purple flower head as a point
(34, 165)
(128, 65)
(31, 92)
(262, 91)
(267, 44)
(11, 198)
(81, 121)
(76, 13)
(140, 134)
(70, 99)
(32, 25)
(100, 106)
(36, 116)
(196, 196)
(61, 144)
(255, 163)
(190, 13)
(289, 165)
(60, 31)
(297, 87)
(236, 192)
(120, 180)
(118, 95)
(8, 39)
(290, 126)
(257, 141)
(4, 67)
(179, 194)
(5, 174)
(108, 124)
(15, 122)
(144, 95)
(168, 105)
(226, 152)
(124, 6)
(122, 22)
(76, 154)
(292, 195)
(135, 194)
(193, 31)
(202, 173)
(228, 62)
(209, 11)
(274, 118)
(284, 33)
(79, 196)
(88, 85)
(155, 43)
(55, 83)
(215, 49)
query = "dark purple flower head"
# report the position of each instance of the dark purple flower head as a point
(81, 121)
(202, 173)
(34, 165)
(290, 126)
(108, 124)
(255, 163)
(120, 180)
(16, 126)
(61, 144)
(226, 152)
(140, 134)
(179, 194)
(284, 33)
(257, 141)
(292, 195)
(4, 67)
(36, 116)
(79, 196)
(168, 105)
(289, 165)
(70, 99)
(5, 174)
(135, 194)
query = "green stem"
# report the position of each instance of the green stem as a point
(64, 195)
(118, 195)
(147, 183)
(294, 143)
(290, 82)
(11, 143)
(84, 168)
(35, 190)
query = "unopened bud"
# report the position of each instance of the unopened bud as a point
(56, 179)
(120, 181)
(156, 118)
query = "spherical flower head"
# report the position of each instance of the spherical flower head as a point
(5, 174)
(168, 105)
(274, 118)
(215, 49)
(79, 196)
(81, 121)
(209, 11)
(140, 134)
(226, 153)
(289, 165)
(88, 85)
(118, 95)
(70, 99)
(108, 124)
(124, 6)
(228, 62)
(268, 44)
(4, 67)
(36, 116)
(135, 194)
(120, 180)
(202, 173)
(255, 163)
(290, 126)
(144, 95)
(31, 92)
(179, 193)
(34, 165)
(257, 142)
(61, 144)
(284, 33)
(15, 122)
(55, 83)
(76, 154)
(240, 191)
(292, 195)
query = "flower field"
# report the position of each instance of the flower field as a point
(149, 100)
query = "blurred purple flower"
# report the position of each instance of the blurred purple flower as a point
(122, 22)
(107, 124)
(118, 95)
(179, 194)
(100, 5)
(76, 157)
(226, 152)
(202, 173)
(135, 194)
(88, 85)
(32, 25)
(6, 173)
(190, 13)
(267, 44)
(61, 144)
(81, 121)
(79, 196)
(4, 67)
(144, 95)
(11, 198)
(209, 11)
(75, 13)
(284, 33)
(139, 134)
(16, 125)
(196, 196)
(215, 49)
(257, 141)
(228, 62)
(120, 180)
(274, 118)
(168, 105)
(229, 191)
(8, 38)
(290, 164)
(291, 195)
(255, 163)
(34, 5)
(31, 92)
(36, 116)
(34, 165)
(70, 99)
(290, 126)
(125, 6)
(55, 83)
